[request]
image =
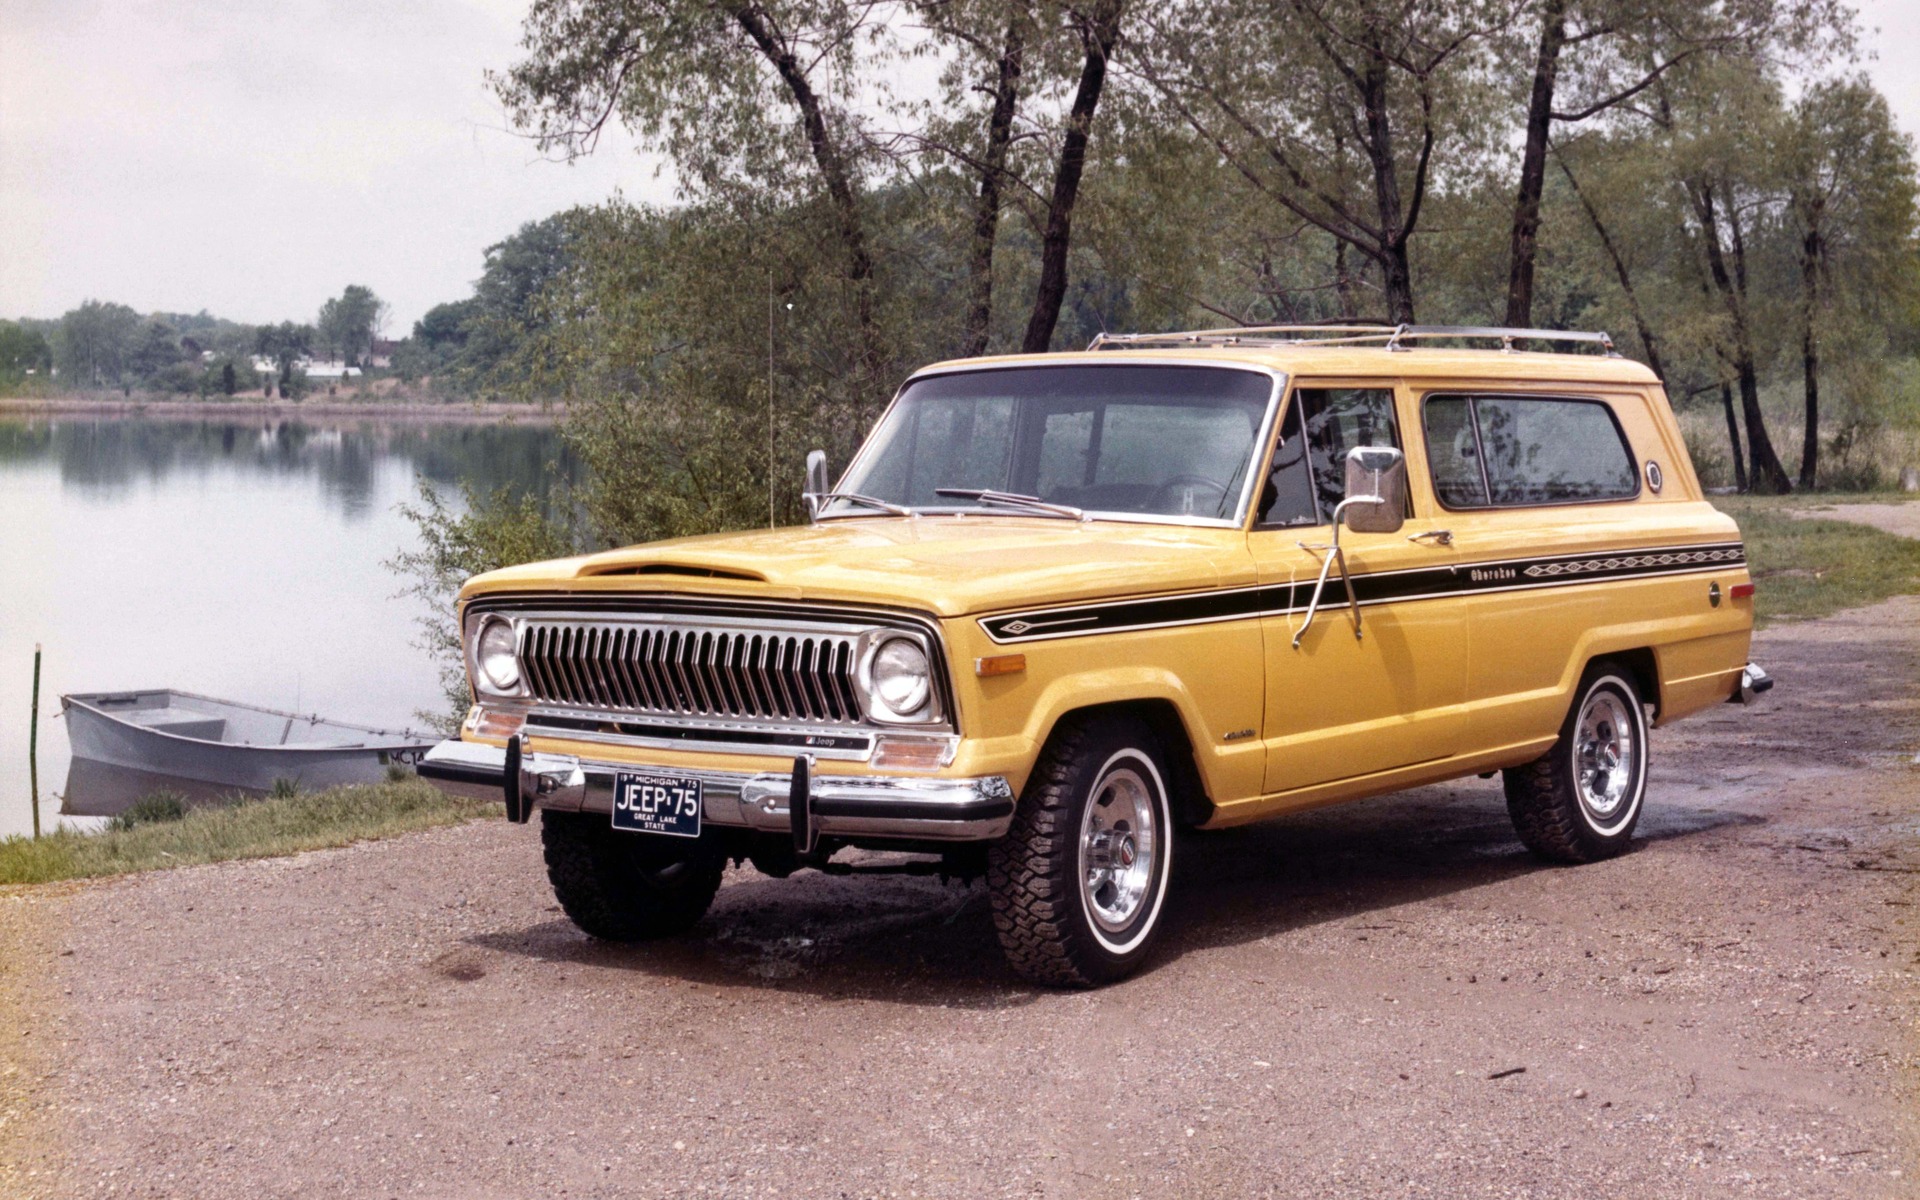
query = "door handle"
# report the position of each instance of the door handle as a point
(1439, 537)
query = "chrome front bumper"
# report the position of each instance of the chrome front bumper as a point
(853, 806)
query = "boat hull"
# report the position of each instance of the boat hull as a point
(162, 738)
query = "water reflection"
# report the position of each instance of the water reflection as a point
(235, 558)
(106, 457)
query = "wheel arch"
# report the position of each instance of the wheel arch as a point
(1639, 662)
(1191, 799)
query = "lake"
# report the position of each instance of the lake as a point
(235, 558)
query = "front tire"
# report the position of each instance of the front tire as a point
(626, 887)
(1580, 801)
(1079, 883)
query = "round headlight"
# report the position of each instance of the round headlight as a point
(902, 677)
(494, 656)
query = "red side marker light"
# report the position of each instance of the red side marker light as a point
(1741, 591)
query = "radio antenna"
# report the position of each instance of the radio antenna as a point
(768, 398)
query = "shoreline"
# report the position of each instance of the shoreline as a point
(462, 413)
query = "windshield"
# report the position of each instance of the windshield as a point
(1122, 439)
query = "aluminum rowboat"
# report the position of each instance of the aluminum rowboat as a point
(225, 744)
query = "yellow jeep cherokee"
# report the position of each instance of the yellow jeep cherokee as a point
(1061, 608)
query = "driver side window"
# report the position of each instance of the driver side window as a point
(1309, 473)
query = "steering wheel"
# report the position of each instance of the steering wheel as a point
(1207, 494)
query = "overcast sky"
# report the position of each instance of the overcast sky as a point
(252, 157)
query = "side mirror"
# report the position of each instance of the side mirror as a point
(1376, 490)
(817, 483)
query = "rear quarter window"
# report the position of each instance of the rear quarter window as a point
(1523, 451)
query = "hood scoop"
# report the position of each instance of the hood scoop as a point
(680, 570)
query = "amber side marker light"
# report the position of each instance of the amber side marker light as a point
(1740, 591)
(1000, 664)
(495, 724)
(913, 754)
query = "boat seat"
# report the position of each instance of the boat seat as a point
(180, 723)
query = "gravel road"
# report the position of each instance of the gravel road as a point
(1389, 998)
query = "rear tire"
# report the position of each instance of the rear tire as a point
(1579, 802)
(626, 887)
(1079, 883)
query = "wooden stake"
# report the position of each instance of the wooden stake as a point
(33, 744)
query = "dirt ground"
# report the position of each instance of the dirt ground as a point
(1900, 517)
(1385, 999)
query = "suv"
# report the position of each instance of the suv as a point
(1063, 608)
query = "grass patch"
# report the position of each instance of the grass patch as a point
(150, 810)
(248, 829)
(1807, 567)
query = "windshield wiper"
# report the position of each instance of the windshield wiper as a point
(1014, 500)
(822, 499)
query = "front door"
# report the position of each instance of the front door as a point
(1341, 706)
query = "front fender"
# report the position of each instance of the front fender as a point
(1213, 677)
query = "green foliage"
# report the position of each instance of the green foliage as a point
(22, 350)
(284, 343)
(95, 342)
(484, 533)
(244, 829)
(349, 322)
(150, 810)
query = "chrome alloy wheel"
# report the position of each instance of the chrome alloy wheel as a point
(1605, 757)
(1119, 846)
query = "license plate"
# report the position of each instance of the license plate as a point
(665, 804)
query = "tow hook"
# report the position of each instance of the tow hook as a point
(1753, 681)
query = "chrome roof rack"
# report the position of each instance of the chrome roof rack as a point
(1389, 337)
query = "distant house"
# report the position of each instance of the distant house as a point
(380, 354)
(327, 368)
(311, 368)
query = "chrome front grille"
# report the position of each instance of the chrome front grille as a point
(692, 670)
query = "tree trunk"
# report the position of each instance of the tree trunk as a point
(1533, 166)
(1620, 272)
(1811, 251)
(1767, 473)
(986, 213)
(1396, 276)
(1733, 438)
(1102, 31)
(1343, 281)
(834, 169)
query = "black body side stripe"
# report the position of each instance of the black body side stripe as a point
(1380, 587)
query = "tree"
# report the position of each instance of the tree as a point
(156, 347)
(285, 343)
(1851, 199)
(348, 323)
(94, 343)
(993, 42)
(703, 81)
(1612, 51)
(1332, 109)
(22, 349)
(1098, 29)
(445, 326)
(506, 314)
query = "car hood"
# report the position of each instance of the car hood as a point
(949, 566)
